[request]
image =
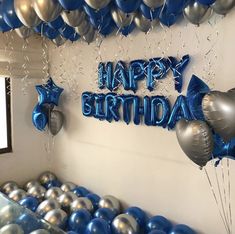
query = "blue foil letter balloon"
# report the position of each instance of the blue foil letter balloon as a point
(105, 75)
(88, 108)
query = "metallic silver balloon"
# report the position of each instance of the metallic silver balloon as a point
(17, 195)
(110, 202)
(11, 229)
(30, 184)
(37, 191)
(125, 224)
(56, 217)
(197, 13)
(26, 14)
(82, 203)
(8, 214)
(46, 177)
(196, 140)
(97, 4)
(47, 10)
(56, 122)
(121, 18)
(53, 192)
(219, 111)
(9, 186)
(142, 23)
(82, 28)
(90, 35)
(40, 231)
(46, 206)
(153, 3)
(73, 18)
(222, 7)
(24, 32)
(68, 186)
(59, 40)
(66, 199)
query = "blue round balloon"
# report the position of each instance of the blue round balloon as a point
(30, 203)
(81, 191)
(168, 18)
(94, 198)
(182, 229)
(98, 226)
(106, 214)
(149, 13)
(157, 232)
(39, 117)
(75, 36)
(67, 31)
(128, 6)
(9, 14)
(92, 13)
(52, 183)
(138, 214)
(4, 27)
(206, 2)
(57, 23)
(79, 220)
(159, 223)
(128, 29)
(176, 6)
(71, 5)
(105, 31)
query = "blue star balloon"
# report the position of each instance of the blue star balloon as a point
(49, 93)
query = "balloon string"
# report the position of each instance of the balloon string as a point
(216, 200)
(229, 194)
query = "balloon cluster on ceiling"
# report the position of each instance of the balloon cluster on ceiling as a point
(76, 210)
(61, 20)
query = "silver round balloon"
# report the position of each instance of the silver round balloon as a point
(53, 193)
(24, 32)
(56, 217)
(153, 3)
(37, 191)
(82, 203)
(47, 10)
(97, 4)
(125, 224)
(68, 186)
(11, 229)
(90, 35)
(40, 231)
(56, 122)
(197, 13)
(46, 177)
(121, 18)
(26, 14)
(46, 206)
(219, 111)
(222, 7)
(142, 23)
(31, 184)
(196, 140)
(59, 40)
(17, 195)
(73, 18)
(9, 186)
(66, 199)
(82, 28)
(8, 214)
(110, 202)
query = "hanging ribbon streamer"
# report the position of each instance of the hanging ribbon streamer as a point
(45, 61)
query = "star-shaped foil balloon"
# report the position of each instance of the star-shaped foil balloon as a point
(49, 93)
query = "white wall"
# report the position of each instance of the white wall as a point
(29, 157)
(143, 166)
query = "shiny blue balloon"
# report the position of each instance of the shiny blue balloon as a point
(30, 203)
(88, 104)
(101, 22)
(98, 226)
(74, 37)
(138, 214)
(206, 2)
(176, 6)
(168, 18)
(81, 191)
(9, 14)
(182, 229)
(148, 12)
(95, 199)
(112, 107)
(99, 106)
(159, 223)
(40, 28)
(120, 77)
(39, 117)
(52, 183)
(157, 232)
(49, 93)
(71, 5)
(105, 75)
(128, 6)
(195, 93)
(28, 223)
(79, 220)
(4, 27)
(178, 68)
(51, 33)
(179, 111)
(128, 29)
(57, 23)
(127, 101)
(105, 31)
(106, 214)
(92, 13)
(67, 31)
